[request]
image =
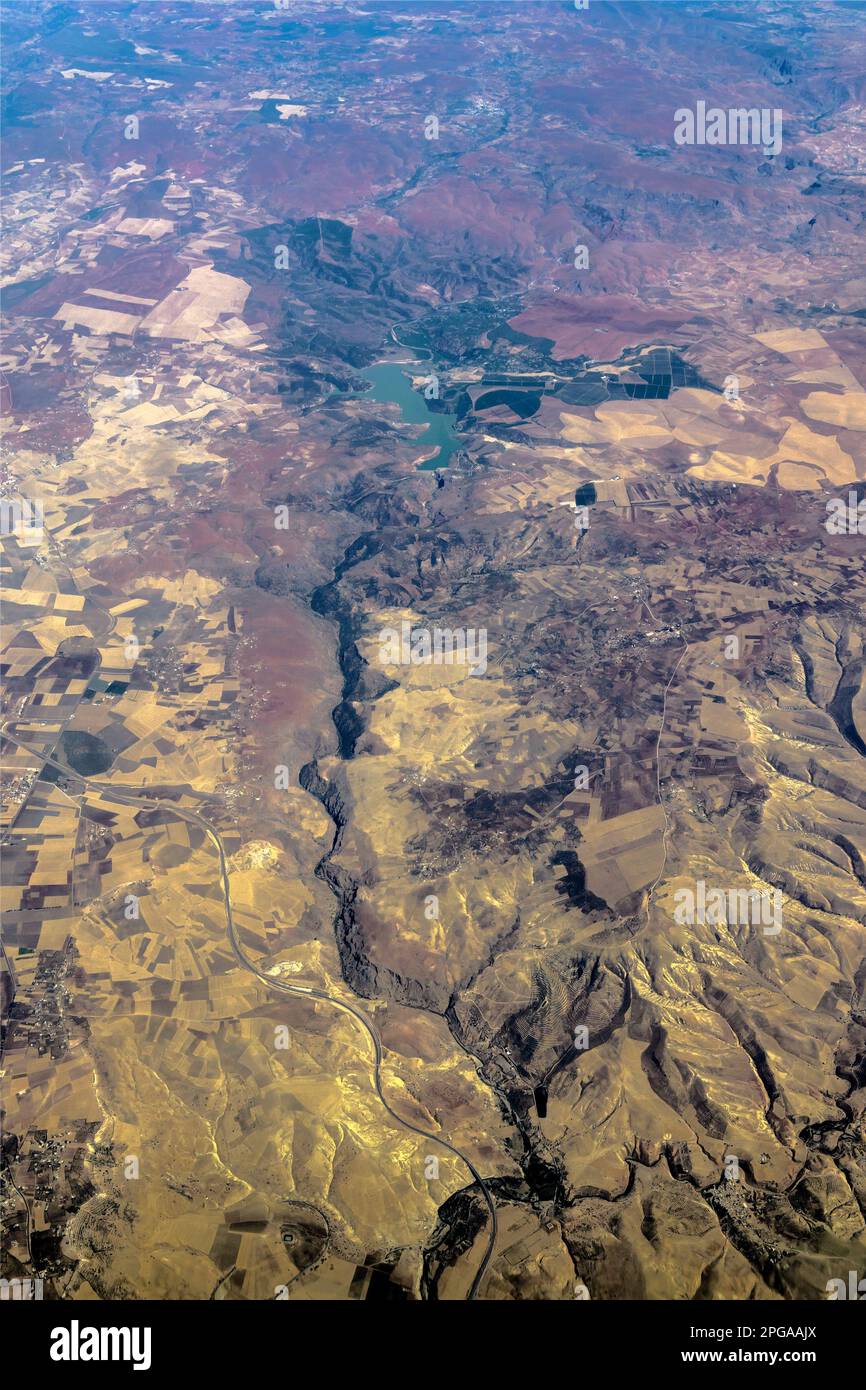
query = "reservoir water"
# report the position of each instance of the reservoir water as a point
(391, 381)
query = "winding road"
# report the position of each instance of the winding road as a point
(272, 982)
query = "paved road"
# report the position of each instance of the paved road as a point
(129, 798)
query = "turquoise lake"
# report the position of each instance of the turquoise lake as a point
(392, 382)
